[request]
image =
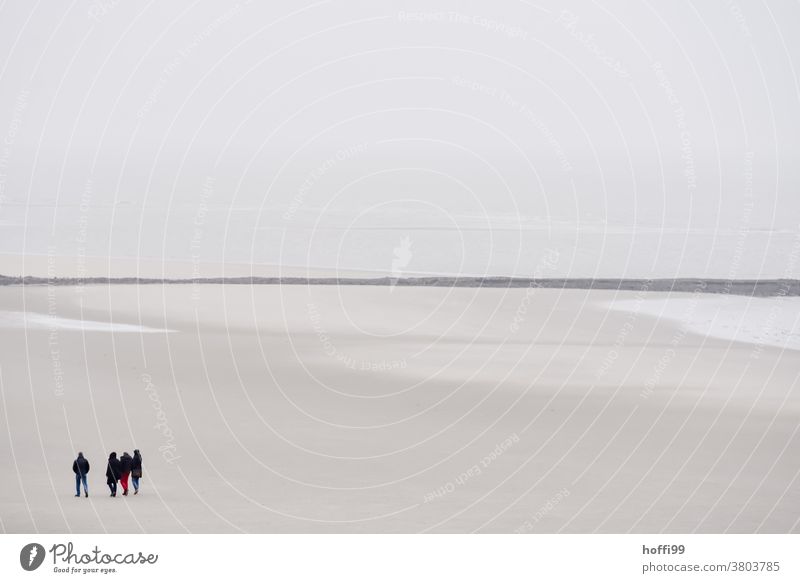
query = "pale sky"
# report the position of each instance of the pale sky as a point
(636, 138)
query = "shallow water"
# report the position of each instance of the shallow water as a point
(758, 321)
(37, 321)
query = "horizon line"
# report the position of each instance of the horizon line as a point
(762, 287)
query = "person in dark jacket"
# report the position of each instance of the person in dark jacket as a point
(136, 470)
(81, 467)
(125, 462)
(113, 472)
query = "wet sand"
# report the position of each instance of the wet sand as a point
(398, 409)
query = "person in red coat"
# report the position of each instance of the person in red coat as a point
(125, 462)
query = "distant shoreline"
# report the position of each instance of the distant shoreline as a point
(745, 287)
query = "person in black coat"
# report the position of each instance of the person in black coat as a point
(136, 470)
(81, 467)
(125, 465)
(113, 472)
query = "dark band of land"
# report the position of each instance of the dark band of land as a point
(741, 287)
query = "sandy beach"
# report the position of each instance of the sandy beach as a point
(380, 409)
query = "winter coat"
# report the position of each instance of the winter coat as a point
(136, 465)
(80, 466)
(114, 469)
(126, 462)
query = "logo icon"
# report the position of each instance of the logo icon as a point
(31, 556)
(402, 257)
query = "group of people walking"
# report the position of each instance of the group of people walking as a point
(117, 470)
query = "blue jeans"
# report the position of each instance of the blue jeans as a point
(135, 483)
(78, 480)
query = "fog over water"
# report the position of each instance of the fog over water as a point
(549, 139)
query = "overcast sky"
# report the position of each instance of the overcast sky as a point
(482, 134)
